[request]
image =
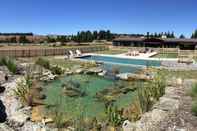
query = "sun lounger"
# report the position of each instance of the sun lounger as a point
(78, 52)
(71, 54)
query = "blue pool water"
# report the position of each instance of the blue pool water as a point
(122, 61)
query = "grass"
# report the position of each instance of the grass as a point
(180, 74)
(166, 55)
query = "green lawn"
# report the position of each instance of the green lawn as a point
(166, 55)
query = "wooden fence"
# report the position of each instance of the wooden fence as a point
(35, 52)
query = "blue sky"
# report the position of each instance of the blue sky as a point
(120, 16)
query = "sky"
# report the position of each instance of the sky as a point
(119, 16)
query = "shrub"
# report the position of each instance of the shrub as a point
(43, 62)
(56, 70)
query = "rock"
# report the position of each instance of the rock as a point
(149, 121)
(79, 71)
(20, 70)
(123, 76)
(30, 126)
(126, 126)
(2, 77)
(68, 73)
(102, 73)
(47, 121)
(167, 104)
(42, 96)
(4, 127)
(47, 76)
(93, 71)
(3, 115)
(18, 119)
(2, 88)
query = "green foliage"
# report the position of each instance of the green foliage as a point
(194, 108)
(22, 91)
(46, 64)
(194, 35)
(58, 114)
(151, 92)
(56, 70)
(43, 62)
(193, 92)
(114, 116)
(23, 39)
(9, 63)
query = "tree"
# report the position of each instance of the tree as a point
(23, 39)
(182, 36)
(194, 35)
(13, 40)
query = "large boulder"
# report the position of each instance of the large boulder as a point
(3, 115)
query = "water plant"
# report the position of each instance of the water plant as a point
(151, 92)
(114, 116)
(59, 114)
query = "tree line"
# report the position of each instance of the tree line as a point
(84, 36)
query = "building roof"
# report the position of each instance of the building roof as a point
(141, 39)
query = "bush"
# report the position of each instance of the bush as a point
(56, 70)
(43, 62)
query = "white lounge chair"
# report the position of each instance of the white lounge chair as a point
(71, 54)
(78, 52)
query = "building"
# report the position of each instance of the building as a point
(184, 44)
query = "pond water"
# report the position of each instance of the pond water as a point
(88, 104)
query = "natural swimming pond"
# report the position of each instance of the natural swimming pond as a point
(123, 61)
(91, 103)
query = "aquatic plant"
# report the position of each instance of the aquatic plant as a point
(151, 92)
(114, 117)
(58, 113)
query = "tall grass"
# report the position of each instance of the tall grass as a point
(22, 91)
(147, 94)
(9, 63)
